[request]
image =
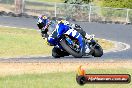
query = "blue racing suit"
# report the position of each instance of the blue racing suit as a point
(43, 26)
(42, 23)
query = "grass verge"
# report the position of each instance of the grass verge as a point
(22, 42)
(59, 80)
(48, 0)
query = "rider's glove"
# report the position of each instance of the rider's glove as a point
(45, 35)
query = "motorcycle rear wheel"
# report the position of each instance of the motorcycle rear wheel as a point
(98, 51)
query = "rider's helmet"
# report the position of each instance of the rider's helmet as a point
(44, 17)
(64, 22)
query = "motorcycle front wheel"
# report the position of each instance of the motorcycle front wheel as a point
(70, 50)
(57, 53)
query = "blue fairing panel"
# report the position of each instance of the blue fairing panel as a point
(62, 29)
(52, 40)
(76, 35)
(80, 38)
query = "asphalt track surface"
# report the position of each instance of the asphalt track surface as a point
(115, 32)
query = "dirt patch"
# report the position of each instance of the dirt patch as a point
(6, 8)
(27, 68)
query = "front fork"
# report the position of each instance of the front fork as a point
(84, 47)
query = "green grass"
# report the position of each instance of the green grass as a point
(48, 0)
(59, 80)
(21, 42)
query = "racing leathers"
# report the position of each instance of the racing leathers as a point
(43, 25)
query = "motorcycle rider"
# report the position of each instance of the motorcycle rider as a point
(43, 23)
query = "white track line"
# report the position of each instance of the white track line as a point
(14, 27)
(18, 27)
(118, 46)
(26, 57)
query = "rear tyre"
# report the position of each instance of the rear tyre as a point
(69, 50)
(98, 51)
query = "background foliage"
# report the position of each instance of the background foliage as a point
(78, 1)
(117, 3)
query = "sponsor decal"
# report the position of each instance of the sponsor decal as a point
(83, 78)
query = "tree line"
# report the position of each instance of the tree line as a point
(105, 3)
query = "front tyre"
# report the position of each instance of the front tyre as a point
(57, 53)
(69, 50)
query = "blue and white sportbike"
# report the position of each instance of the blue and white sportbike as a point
(70, 42)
